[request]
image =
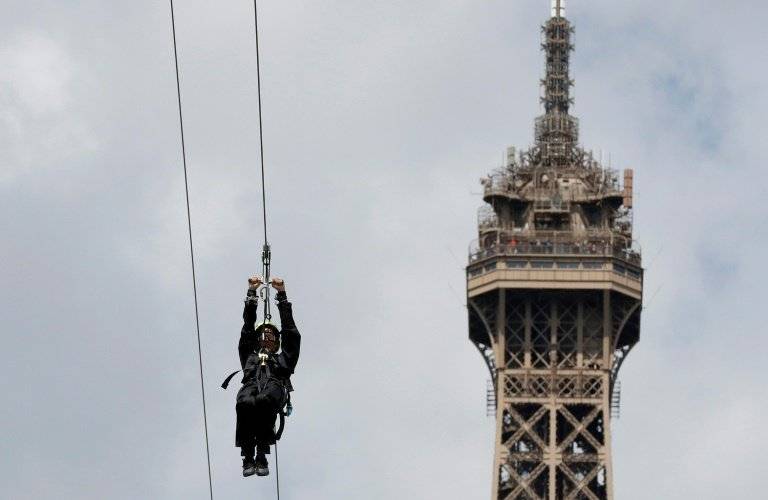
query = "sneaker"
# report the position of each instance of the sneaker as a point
(262, 467)
(249, 467)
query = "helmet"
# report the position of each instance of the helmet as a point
(269, 336)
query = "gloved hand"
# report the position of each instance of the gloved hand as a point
(254, 282)
(252, 297)
(278, 284)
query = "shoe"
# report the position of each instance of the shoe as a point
(262, 467)
(249, 467)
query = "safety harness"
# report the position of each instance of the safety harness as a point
(262, 377)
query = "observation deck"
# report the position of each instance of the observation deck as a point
(555, 266)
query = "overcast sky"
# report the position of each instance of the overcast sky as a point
(379, 119)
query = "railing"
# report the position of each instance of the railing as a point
(557, 248)
(603, 180)
(487, 218)
(497, 183)
(500, 184)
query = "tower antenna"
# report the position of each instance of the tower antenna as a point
(558, 8)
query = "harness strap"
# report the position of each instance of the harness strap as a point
(262, 380)
(285, 410)
(280, 429)
(225, 384)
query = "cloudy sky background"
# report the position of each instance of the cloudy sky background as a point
(380, 117)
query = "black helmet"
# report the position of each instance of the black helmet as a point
(269, 336)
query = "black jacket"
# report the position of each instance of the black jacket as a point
(284, 363)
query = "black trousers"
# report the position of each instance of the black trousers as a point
(256, 414)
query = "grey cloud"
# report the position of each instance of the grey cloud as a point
(379, 119)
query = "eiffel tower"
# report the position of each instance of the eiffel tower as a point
(554, 287)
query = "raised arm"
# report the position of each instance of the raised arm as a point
(248, 341)
(250, 307)
(290, 337)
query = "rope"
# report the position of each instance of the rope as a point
(191, 252)
(266, 253)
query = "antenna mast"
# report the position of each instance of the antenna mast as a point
(558, 8)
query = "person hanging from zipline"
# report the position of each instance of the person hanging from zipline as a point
(268, 357)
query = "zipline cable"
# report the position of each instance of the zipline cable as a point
(277, 472)
(261, 135)
(191, 252)
(266, 253)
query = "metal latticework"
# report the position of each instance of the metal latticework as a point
(554, 395)
(554, 288)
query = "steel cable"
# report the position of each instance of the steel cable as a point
(191, 252)
(266, 255)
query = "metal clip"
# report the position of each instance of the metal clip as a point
(263, 357)
(266, 254)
